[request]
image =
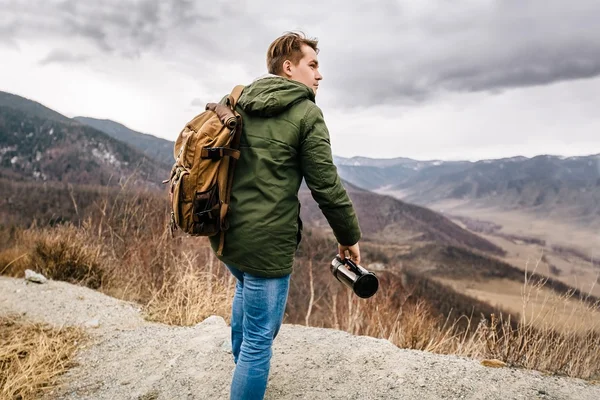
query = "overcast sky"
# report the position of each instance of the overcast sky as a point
(461, 79)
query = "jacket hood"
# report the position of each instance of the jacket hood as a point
(271, 95)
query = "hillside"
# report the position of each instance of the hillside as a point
(156, 148)
(38, 144)
(127, 357)
(385, 219)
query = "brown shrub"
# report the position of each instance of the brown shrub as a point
(65, 253)
(14, 261)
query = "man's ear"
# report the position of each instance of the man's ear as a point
(287, 68)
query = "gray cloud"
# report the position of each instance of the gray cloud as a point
(124, 28)
(8, 30)
(63, 57)
(393, 52)
(462, 47)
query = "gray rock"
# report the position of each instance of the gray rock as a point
(226, 346)
(32, 276)
(94, 323)
(213, 320)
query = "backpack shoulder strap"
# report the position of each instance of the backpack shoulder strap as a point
(233, 98)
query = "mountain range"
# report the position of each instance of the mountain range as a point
(565, 187)
(39, 144)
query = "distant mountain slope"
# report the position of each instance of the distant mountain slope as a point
(372, 177)
(372, 173)
(568, 188)
(565, 187)
(34, 147)
(386, 219)
(374, 162)
(156, 148)
(30, 107)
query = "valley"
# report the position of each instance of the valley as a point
(566, 252)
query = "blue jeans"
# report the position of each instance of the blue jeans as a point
(256, 316)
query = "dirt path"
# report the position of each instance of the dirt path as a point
(130, 358)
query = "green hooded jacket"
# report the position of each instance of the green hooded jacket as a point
(284, 139)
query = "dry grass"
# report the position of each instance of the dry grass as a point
(189, 295)
(545, 308)
(65, 253)
(541, 340)
(125, 250)
(32, 357)
(410, 325)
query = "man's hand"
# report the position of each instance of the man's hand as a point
(353, 251)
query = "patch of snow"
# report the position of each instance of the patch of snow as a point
(14, 160)
(51, 132)
(5, 150)
(38, 156)
(438, 163)
(515, 159)
(106, 156)
(376, 267)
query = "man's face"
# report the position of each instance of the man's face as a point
(307, 69)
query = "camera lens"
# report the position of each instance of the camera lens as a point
(366, 286)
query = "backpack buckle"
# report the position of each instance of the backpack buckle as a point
(212, 153)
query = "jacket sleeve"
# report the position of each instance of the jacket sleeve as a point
(322, 179)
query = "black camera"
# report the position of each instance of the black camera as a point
(362, 282)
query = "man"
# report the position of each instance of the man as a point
(284, 139)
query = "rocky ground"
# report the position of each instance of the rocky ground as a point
(130, 358)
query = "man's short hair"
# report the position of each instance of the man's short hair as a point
(288, 47)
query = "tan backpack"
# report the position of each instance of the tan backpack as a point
(200, 184)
